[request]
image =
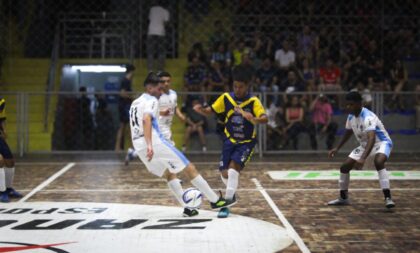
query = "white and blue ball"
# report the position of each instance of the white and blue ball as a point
(192, 198)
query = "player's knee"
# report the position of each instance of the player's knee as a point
(224, 173)
(379, 164)
(345, 168)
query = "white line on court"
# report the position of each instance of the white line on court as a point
(290, 230)
(47, 182)
(239, 190)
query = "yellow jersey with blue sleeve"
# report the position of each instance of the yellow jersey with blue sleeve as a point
(237, 128)
(2, 108)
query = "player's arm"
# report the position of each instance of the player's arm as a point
(147, 128)
(347, 134)
(179, 114)
(206, 111)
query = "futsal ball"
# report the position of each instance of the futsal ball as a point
(192, 198)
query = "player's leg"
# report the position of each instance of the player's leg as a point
(4, 197)
(7, 173)
(131, 154)
(344, 182)
(379, 161)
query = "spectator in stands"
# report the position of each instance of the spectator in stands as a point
(218, 78)
(239, 51)
(262, 46)
(195, 79)
(418, 107)
(329, 77)
(306, 43)
(222, 55)
(198, 51)
(266, 77)
(356, 71)
(285, 58)
(372, 54)
(307, 74)
(294, 116)
(219, 36)
(376, 76)
(195, 124)
(322, 122)
(85, 121)
(124, 103)
(399, 78)
(276, 126)
(156, 43)
(248, 67)
(322, 44)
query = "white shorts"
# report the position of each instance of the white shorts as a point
(382, 147)
(165, 156)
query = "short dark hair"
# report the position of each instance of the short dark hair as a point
(151, 79)
(163, 74)
(129, 68)
(354, 96)
(240, 74)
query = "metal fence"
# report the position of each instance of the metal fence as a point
(89, 122)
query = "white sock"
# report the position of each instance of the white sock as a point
(344, 181)
(383, 179)
(176, 189)
(232, 184)
(2, 180)
(224, 180)
(10, 174)
(204, 187)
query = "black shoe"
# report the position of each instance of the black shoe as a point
(189, 212)
(221, 202)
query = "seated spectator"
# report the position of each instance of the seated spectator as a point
(290, 85)
(195, 79)
(239, 51)
(221, 55)
(306, 43)
(285, 58)
(357, 71)
(294, 120)
(266, 77)
(198, 51)
(276, 131)
(322, 122)
(399, 78)
(376, 76)
(218, 78)
(194, 124)
(248, 67)
(307, 74)
(219, 36)
(262, 46)
(329, 77)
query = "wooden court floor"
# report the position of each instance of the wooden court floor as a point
(365, 226)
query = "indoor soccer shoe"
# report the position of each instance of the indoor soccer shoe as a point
(189, 212)
(13, 194)
(389, 203)
(4, 197)
(339, 202)
(223, 213)
(221, 202)
(129, 157)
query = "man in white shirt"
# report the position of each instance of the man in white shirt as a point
(156, 44)
(159, 156)
(374, 143)
(285, 57)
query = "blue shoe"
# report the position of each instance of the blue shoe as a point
(223, 213)
(13, 194)
(129, 157)
(4, 197)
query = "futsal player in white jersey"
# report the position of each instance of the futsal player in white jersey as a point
(374, 142)
(159, 156)
(167, 109)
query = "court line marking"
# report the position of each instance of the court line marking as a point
(47, 182)
(239, 190)
(205, 163)
(290, 230)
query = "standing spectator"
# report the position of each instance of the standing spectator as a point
(124, 103)
(195, 124)
(285, 58)
(399, 77)
(156, 43)
(294, 120)
(85, 121)
(322, 122)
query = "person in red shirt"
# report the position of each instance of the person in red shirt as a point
(294, 120)
(322, 122)
(329, 77)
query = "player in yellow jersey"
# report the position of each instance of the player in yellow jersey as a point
(243, 111)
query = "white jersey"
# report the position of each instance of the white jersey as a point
(145, 104)
(157, 17)
(167, 101)
(367, 121)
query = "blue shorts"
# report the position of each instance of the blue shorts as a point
(239, 153)
(5, 150)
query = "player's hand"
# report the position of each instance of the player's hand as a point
(149, 154)
(198, 108)
(359, 164)
(332, 152)
(247, 115)
(165, 112)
